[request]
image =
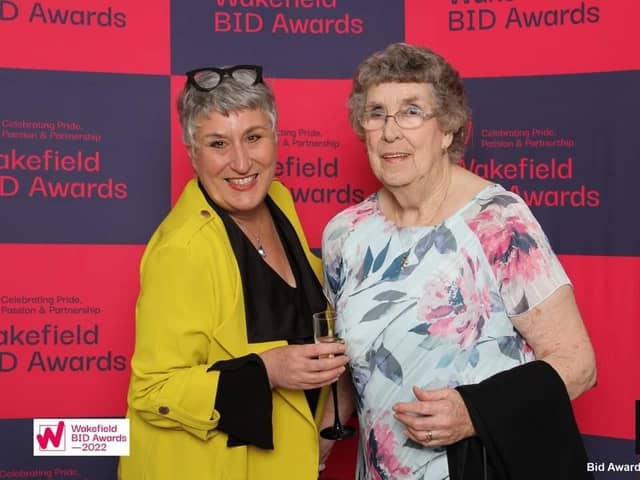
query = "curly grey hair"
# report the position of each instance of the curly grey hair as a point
(229, 96)
(404, 63)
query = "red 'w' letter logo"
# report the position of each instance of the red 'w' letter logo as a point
(49, 436)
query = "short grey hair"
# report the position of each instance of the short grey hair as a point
(228, 97)
(404, 63)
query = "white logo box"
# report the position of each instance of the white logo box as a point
(80, 437)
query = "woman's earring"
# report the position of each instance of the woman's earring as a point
(448, 140)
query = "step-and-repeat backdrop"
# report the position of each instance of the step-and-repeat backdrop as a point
(91, 160)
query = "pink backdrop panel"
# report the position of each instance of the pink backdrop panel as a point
(116, 36)
(607, 293)
(320, 159)
(526, 37)
(86, 288)
(181, 169)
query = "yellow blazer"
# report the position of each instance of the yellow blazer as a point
(190, 314)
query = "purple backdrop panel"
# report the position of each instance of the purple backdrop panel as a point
(569, 146)
(84, 157)
(17, 460)
(291, 38)
(611, 458)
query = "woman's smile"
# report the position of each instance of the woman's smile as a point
(395, 157)
(242, 183)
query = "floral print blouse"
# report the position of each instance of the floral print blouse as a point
(431, 307)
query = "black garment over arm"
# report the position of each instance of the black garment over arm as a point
(524, 421)
(244, 401)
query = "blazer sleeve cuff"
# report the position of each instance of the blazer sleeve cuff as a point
(244, 402)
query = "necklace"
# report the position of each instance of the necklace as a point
(405, 258)
(258, 243)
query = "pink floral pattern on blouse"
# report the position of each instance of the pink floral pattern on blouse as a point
(431, 307)
(380, 452)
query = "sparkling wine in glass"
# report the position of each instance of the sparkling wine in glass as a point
(324, 332)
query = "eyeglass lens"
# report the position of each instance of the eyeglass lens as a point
(377, 122)
(209, 79)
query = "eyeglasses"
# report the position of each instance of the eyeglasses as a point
(408, 118)
(206, 79)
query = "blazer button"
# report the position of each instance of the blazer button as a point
(163, 410)
(205, 213)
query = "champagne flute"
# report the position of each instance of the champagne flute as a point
(324, 332)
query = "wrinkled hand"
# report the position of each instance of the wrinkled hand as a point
(436, 418)
(298, 367)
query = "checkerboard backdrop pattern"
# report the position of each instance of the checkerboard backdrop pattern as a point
(91, 160)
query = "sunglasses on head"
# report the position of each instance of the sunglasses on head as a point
(208, 78)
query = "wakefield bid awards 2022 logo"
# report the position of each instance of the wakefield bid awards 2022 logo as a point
(80, 437)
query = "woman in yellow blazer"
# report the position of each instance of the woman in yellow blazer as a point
(225, 380)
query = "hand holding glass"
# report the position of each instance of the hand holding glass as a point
(324, 332)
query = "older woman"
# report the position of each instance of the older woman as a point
(460, 323)
(224, 382)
